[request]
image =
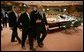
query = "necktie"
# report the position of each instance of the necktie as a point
(29, 17)
(17, 17)
(41, 14)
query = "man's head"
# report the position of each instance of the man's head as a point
(28, 9)
(39, 7)
(16, 9)
(34, 8)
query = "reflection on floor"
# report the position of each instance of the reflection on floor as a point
(55, 41)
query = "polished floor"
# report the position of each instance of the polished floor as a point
(56, 40)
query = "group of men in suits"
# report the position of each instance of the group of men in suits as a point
(4, 18)
(33, 24)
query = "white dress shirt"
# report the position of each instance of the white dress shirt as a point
(41, 13)
(28, 16)
(17, 15)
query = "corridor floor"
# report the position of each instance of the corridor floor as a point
(54, 41)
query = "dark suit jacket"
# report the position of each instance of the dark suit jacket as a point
(1, 17)
(24, 21)
(12, 20)
(35, 16)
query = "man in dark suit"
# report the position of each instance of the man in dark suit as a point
(40, 23)
(25, 22)
(13, 23)
(4, 18)
(1, 20)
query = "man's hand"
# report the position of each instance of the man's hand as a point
(20, 29)
(46, 26)
(38, 21)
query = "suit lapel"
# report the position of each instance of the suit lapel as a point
(14, 16)
(27, 16)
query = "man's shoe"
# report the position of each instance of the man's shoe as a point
(14, 41)
(33, 49)
(40, 45)
(24, 48)
(19, 42)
